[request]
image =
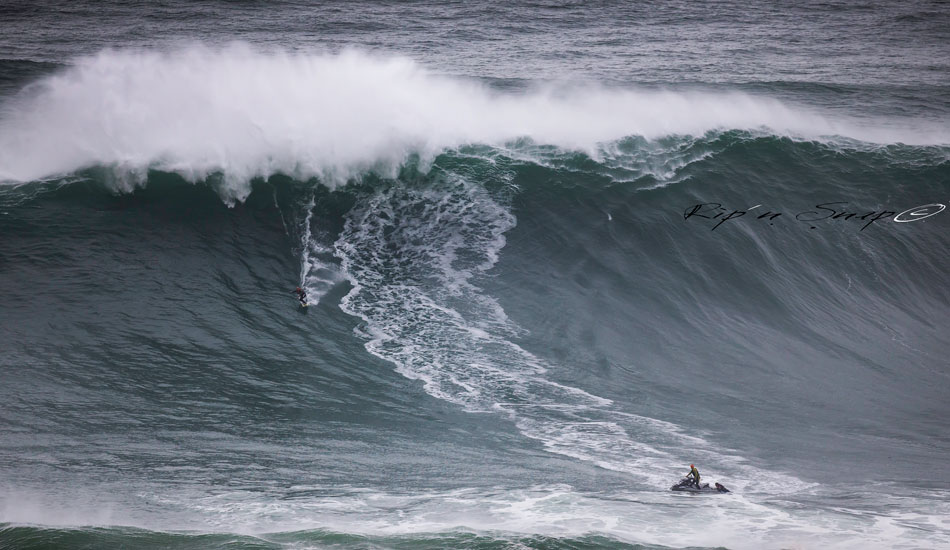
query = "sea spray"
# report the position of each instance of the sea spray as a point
(237, 111)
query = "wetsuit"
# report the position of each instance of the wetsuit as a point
(695, 473)
(302, 296)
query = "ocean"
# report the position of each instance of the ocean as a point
(554, 253)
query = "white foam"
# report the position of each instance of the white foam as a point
(199, 110)
(412, 255)
(559, 510)
(318, 273)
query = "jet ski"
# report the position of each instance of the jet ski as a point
(686, 485)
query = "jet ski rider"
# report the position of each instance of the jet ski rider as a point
(695, 473)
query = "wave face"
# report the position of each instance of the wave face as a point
(558, 322)
(532, 303)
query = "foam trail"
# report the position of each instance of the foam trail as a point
(236, 111)
(411, 255)
(318, 273)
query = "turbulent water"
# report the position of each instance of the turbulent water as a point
(554, 254)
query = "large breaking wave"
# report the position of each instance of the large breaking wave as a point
(243, 113)
(417, 249)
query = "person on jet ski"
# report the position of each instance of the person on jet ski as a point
(695, 473)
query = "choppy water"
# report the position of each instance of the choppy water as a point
(555, 254)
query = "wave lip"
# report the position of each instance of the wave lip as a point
(198, 111)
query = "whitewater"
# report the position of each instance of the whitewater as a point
(247, 114)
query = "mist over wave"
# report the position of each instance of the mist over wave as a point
(244, 113)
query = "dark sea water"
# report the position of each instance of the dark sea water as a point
(555, 253)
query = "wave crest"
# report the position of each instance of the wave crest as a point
(244, 114)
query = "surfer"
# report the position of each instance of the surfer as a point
(301, 295)
(695, 473)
